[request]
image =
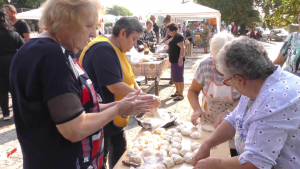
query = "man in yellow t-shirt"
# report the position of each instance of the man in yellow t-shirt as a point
(105, 62)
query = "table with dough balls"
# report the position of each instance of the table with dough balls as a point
(177, 144)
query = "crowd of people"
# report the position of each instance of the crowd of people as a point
(72, 113)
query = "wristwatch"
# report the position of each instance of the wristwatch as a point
(228, 111)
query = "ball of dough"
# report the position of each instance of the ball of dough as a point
(136, 158)
(153, 146)
(196, 135)
(177, 135)
(146, 134)
(168, 133)
(164, 152)
(168, 162)
(208, 128)
(165, 147)
(138, 146)
(152, 140)
(177, 159)
(179, 128)
(176, 145)
(184, 151)
(143, 139)
(147, 152)
(188, 125)
(166, 137)
(132, 151)
(176, 139)
(186, 132)
(160, 130)
(155, 136)
(173, 130)
(188, 157)
(174, 151)
(163, 142)
(195, 146)
(178, 122)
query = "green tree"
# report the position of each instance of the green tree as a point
(285, 14)
(23, 3)
(241, 12)
(267, 6)
(118, 11)
(2, 3)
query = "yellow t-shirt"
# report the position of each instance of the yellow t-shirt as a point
(128, 76)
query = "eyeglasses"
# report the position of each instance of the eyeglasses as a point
(227, 81)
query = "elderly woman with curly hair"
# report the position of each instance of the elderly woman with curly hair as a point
(266, 122)
(57, 111)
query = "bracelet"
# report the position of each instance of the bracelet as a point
(228, 111)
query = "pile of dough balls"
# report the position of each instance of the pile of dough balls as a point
(169, 144)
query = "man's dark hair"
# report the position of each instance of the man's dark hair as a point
(187, 25)
(130, 25)
(172, 27)
(10, 7)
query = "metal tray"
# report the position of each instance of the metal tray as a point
(167, 125)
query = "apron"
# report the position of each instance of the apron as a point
(241, 132)
(216, 100)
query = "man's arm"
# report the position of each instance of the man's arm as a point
(26, 36)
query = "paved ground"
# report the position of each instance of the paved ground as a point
(8, 138)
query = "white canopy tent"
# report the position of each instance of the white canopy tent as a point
(35, 14)
(191, 11)
(32, 14)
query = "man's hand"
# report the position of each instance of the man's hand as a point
(180, 61)
(197, 114)
(151, 43)
(219, 119)
(203, 153)
(134, 104)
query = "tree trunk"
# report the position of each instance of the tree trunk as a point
(243, 30)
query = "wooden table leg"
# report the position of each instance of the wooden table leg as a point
(171, 81)
(156, 86)
(146, 80)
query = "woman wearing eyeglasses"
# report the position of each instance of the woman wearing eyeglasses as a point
(266, 123)
(218, 99)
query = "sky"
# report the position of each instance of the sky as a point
(140, 7)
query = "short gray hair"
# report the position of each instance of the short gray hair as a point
(218, 41)
(246, 57)
(130, 25)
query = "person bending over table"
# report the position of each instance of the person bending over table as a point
(266, 122)
(56, 110)
(168, 37)
(105, 62)
(218, 99)
(176, 57)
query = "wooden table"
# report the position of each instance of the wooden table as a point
(152, 71)
(221, 150)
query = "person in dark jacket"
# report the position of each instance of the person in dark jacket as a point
(10, 42)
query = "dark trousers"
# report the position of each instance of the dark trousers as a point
(114, 148)
(4, 84)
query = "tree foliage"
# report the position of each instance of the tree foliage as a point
(285, 14)
(241, 12)
(118, 11)
(267, 6)
(23, 3)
